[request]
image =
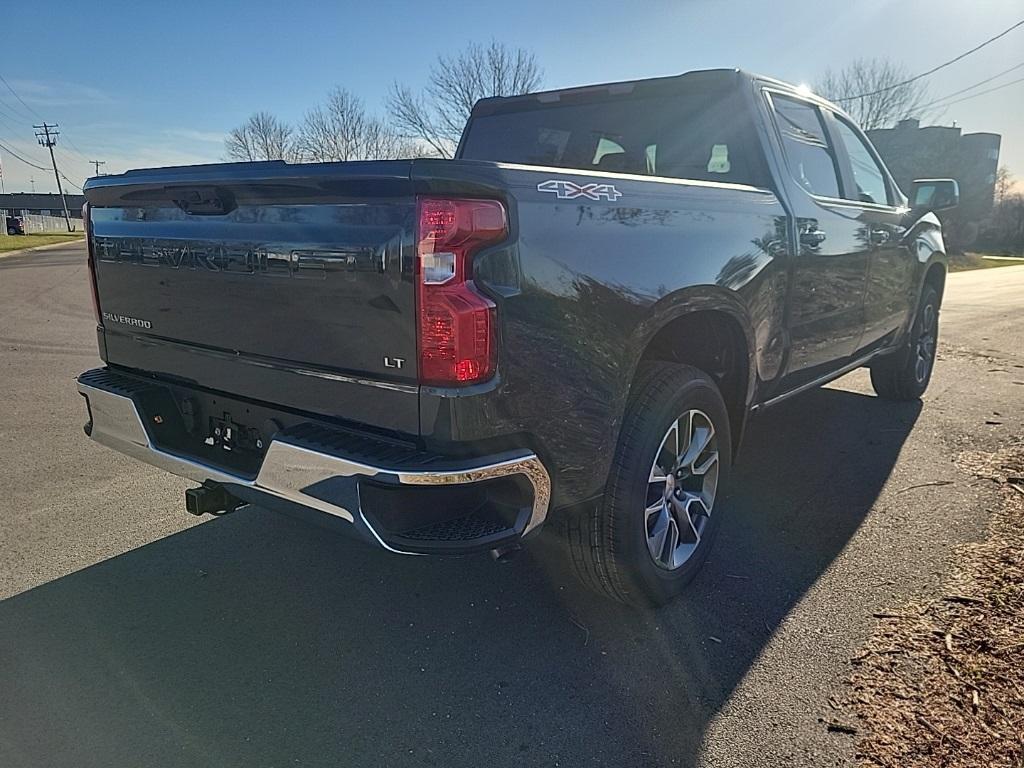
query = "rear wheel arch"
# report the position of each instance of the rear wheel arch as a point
(713, 339)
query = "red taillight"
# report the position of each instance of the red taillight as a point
(456, 323)
(87, 224)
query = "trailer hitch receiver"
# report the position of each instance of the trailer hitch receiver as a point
(210, 499)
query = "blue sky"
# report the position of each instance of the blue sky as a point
(148, 83)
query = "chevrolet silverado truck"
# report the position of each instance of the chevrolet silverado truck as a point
(569, 324)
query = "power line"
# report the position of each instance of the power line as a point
(72, 152)
(11, 89)
(8, 122)
(14, 128)
(72, 146)
(22, 159)
(982, 93)
(65, 161)
(972, 87)
(69, 181)
(25, 156)
(69, 153)
(10, 115)
(933, 70)
(68, 159)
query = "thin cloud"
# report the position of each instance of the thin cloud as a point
(59, 93)
(212, 137)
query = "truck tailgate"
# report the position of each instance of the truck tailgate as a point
(283, 283)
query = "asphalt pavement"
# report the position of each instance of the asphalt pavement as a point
(131, 635)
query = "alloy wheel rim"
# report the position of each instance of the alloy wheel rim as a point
(925, 347)
(681, 489)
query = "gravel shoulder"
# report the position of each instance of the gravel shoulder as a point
(941, 683)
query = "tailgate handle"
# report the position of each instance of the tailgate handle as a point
(204, 201)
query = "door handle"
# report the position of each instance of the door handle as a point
(880, 236)
(812, 238)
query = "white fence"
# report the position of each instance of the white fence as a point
(37, 223)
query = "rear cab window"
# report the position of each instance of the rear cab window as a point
(700, 131)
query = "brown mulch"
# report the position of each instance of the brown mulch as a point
(942, 683)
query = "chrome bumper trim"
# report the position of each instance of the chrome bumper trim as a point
(288, 469)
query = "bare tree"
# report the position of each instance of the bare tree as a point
(1004, 184)
(454, 84)
(341, 129)
(875, 92)
(261, 137)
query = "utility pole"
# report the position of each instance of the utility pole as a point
(3, 189)
(98, 163)
(33, 183)
(47, 136)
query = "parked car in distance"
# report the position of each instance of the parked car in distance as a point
(15, 225)
(568, 325)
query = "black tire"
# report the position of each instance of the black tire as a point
(904, 375)
(12, 231)
(608, 543)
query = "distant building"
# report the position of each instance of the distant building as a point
(17, 203)
(938, 151)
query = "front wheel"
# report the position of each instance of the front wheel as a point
(904, 375)
(648, 537)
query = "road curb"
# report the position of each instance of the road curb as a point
(22, 251)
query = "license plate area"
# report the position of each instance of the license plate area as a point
(229, 435)
(223, 432)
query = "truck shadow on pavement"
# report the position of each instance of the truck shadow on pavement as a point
(256, 640)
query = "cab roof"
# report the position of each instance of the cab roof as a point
(712, 79)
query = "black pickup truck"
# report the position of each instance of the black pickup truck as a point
(570, 323)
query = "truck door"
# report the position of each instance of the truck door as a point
(829, 272)
(890, 279)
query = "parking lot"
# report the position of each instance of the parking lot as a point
(132, 634)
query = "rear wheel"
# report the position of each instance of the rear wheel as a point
(652, 531)
(12, 231)
(904, 375)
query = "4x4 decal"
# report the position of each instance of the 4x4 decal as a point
(569, 190)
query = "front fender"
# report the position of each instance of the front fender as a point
(925, 242)
(924, 238)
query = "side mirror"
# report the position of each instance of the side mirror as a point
(934, 194)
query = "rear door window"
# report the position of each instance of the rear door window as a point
(810, 156)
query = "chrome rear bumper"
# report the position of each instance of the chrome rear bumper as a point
(290, 471)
